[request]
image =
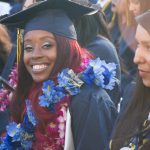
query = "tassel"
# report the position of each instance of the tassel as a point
(105, 6)
(113, 17)
(19, 43)
(128, 17)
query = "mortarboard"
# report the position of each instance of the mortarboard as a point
(73, 8)
(40, 14)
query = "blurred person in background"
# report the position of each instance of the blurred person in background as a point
(5, 46)
(138, 7)
(133, 127)
(5, 49)
(93, 34)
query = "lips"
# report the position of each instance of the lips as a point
(143, 73)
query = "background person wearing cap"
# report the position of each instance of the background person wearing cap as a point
(133, 129)
(43, 95)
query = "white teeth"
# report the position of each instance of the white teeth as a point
(39, 67)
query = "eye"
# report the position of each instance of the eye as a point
(46, 45)
(28, 48)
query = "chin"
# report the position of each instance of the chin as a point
(38, 79)
(147, 84)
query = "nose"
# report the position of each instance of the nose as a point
(37, 52)
(138, 58)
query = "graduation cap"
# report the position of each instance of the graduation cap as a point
(73, 8)
(42, 11)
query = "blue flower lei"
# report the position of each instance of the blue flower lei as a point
(20, 136)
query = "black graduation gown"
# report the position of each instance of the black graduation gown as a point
(92, 115)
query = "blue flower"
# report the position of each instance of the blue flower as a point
(51, 95)
(70, 81)
(44, 100)
(104, 73)
(47, 86)
(27, 125)
(12, 129)
(30, 113)
(6, 143)
(111, 75)
(88, 75)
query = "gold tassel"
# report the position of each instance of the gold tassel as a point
(128, 19)
(113, 17)
(19, 43)
(105, 6)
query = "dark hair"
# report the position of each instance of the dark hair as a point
(68, 55)
(133, 117)
(89, 26)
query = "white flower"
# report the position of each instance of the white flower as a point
(125, 148)
(61, 134)
(60, 119)
(148, 117)
(61, 126)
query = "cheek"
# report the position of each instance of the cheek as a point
(53, 56)
(148, 62)
(26, 60)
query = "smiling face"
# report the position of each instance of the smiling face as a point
(40, 52)
(142, 54)
(135, 7)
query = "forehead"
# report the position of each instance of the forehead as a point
(142, 34)
(134, 1)
(38, 34)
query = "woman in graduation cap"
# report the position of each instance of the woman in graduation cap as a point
(60, 101)
(133, 128)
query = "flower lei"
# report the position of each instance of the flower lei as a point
(4, 93)
(69, 84)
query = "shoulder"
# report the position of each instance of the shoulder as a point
(102, 42)
(93, 113)
(92, 96)
(104, 49)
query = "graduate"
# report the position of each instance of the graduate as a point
(60, 101)
(132, 130)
